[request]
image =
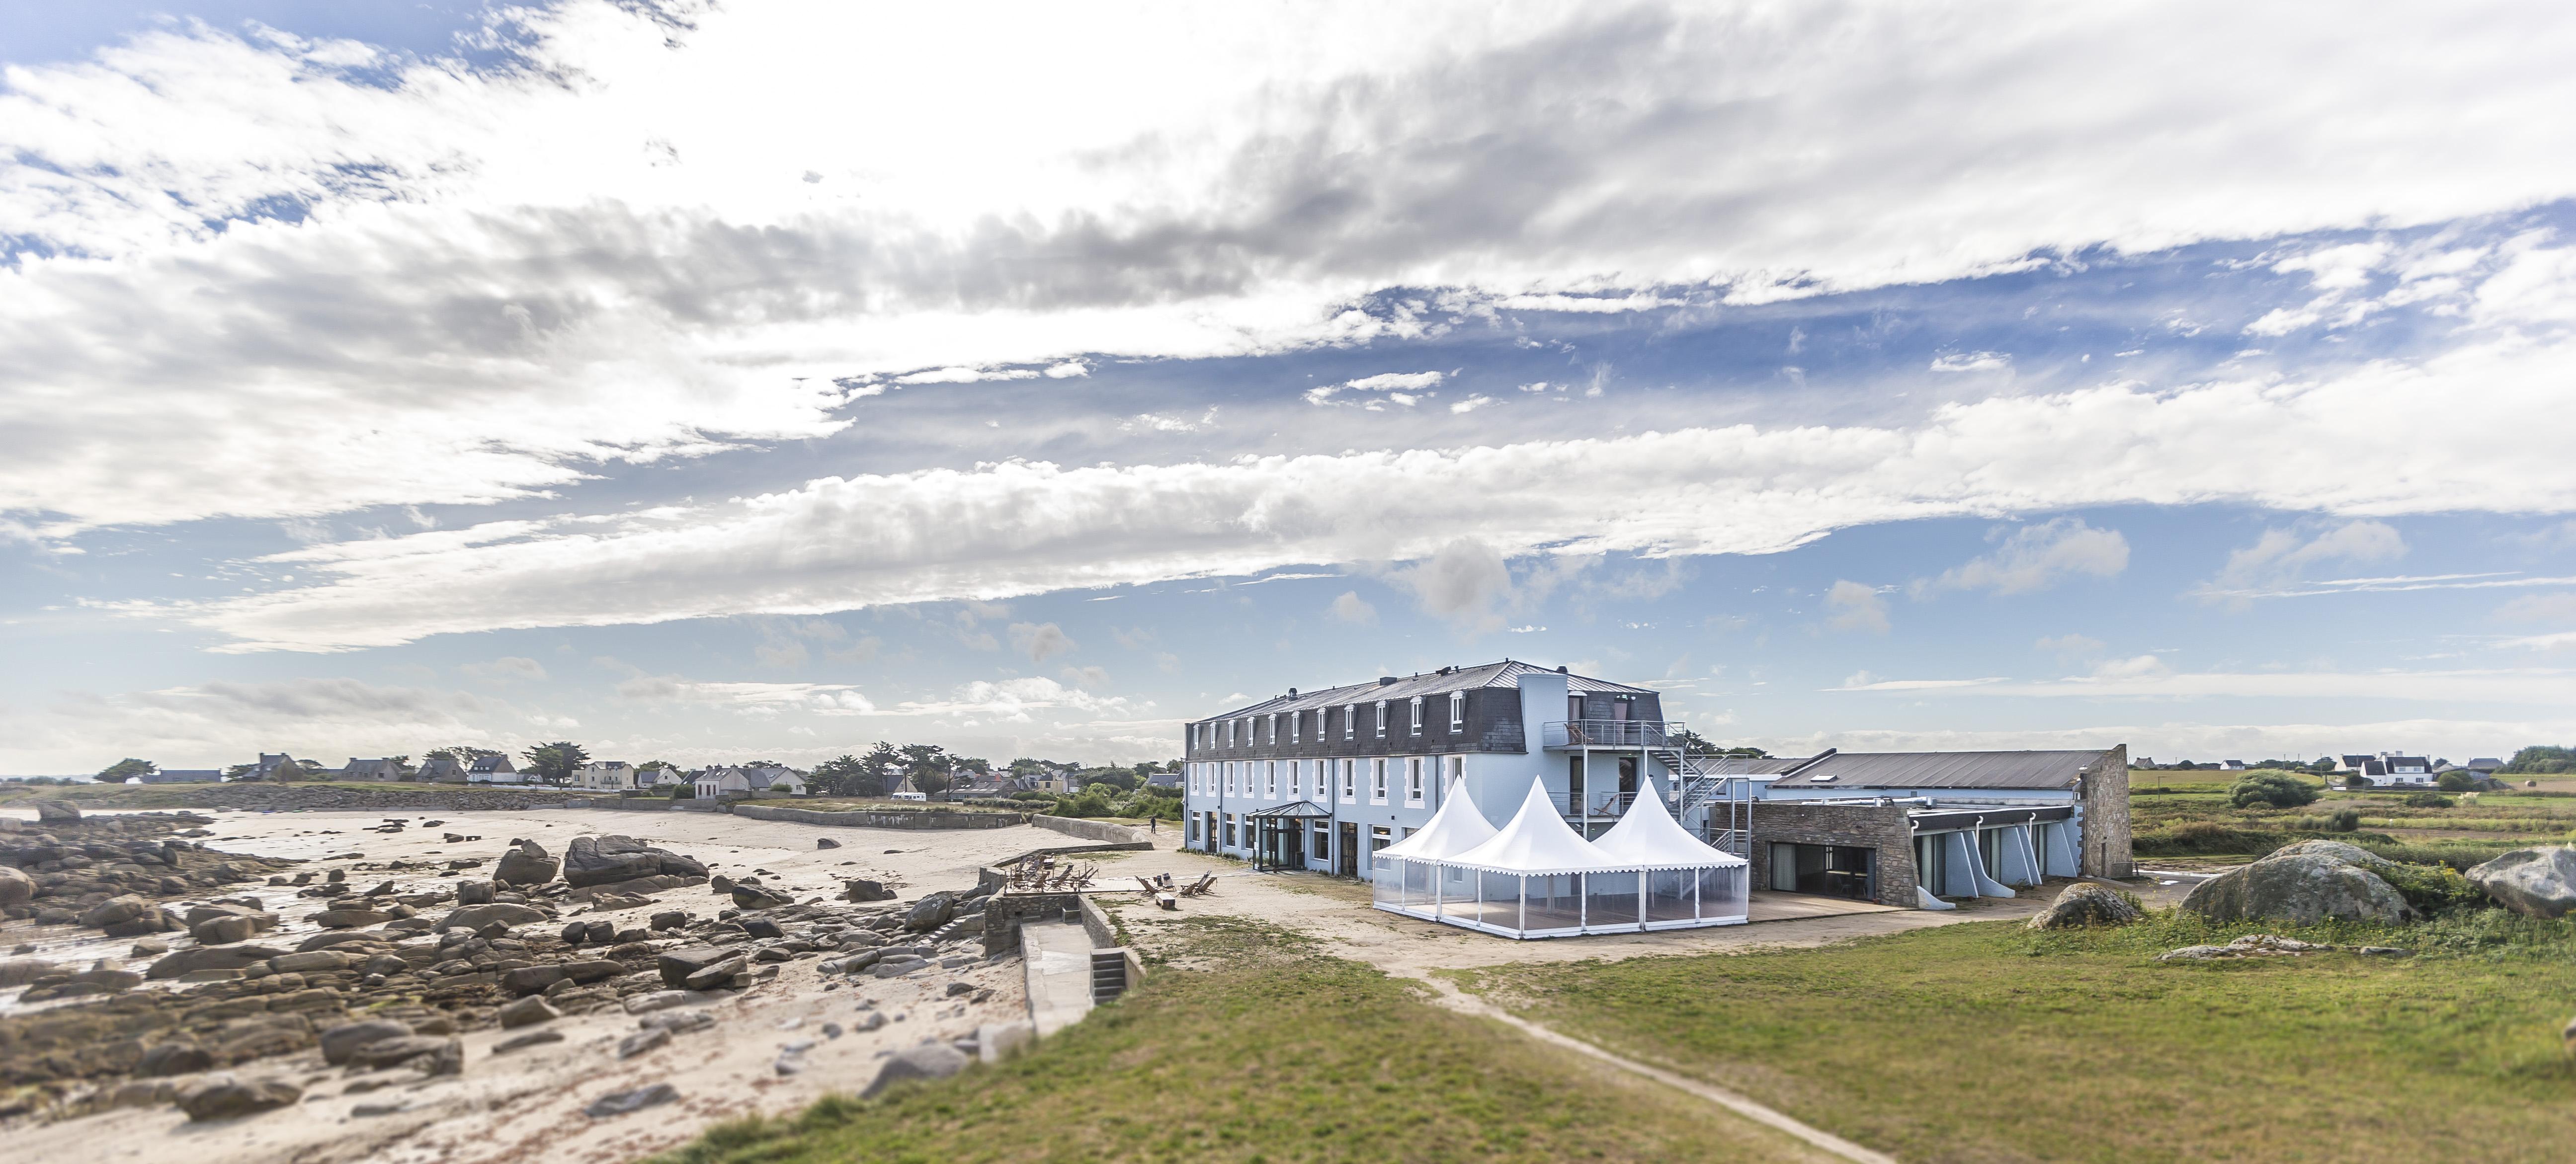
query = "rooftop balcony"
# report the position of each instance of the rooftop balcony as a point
(1577, 734)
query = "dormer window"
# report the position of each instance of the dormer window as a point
(1350, 721)
(1457, 711)
(1296, 722)
(1416, 722)
(1381, 732)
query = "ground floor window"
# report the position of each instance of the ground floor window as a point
(1229, 830)
(1829, 870)
(1323, 841)
(1194, 828)
(1380, 836)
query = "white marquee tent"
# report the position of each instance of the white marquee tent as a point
(1536, 878)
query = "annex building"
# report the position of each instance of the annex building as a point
(1327, 780)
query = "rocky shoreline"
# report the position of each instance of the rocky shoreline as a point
(399, 971)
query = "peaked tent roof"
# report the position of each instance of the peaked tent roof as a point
(1456, 828)
(1537, 842)
(1648, 838)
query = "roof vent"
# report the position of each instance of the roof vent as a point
(1560, 669)
(1292, 693)
(1824, 777)
(1386, 680)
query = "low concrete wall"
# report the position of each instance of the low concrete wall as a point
(882, 820)
(1003, 913)
(627, 803)
(1074, 826)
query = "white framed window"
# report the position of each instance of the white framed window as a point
(1296, 725)
(1350, 769)
(1416, 722)
(1194, 779)
(1270, 779)
(1377, 780)
(1296, 774)
(1229, 777)
(1274, 727)
(1457, 711)
(1229, 733)
(1413, 780)
(1381, 719)
(1452, 770)
(1350, 720)
(1229, 830)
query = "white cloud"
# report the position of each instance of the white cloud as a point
(1463, 582)
(1352, 608)
(2036, 557)
(1022, 528)
(1470, 404)
(2279, 558)
(753, 698)
(1972, 362)
(1040, 641)
(2069, 646)
(1399, 386)
(215, 725)
(496, 282)
(1856, 607)
(2147, 677)
(507, 669)
(2559, 607)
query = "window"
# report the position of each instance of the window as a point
(1274, 727)
(1350, 720)
(1457, 711)
(1349, 770)
(1416, 722)
(1247, 731)
(1194, 828)
(1296, 720)
(1381, 719)
(1229, 777)
(1377, 781)
(1194, 779)
(1452, 770)
(1229, 733)
(1319, 723)
(1413, 780)
(1229, 830)
(1270, 782)
(1296, 774)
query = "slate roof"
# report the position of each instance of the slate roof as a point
(1506, 673)
(1941, 770)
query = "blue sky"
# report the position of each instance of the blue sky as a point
(706, 383)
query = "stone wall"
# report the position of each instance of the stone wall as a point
(1865, 824)
(883, 820)
(1090, 830)
(2105, 796)
(316, 797)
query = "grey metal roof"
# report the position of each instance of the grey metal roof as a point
(1506, 673)
(1942, 770)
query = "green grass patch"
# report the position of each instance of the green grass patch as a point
(1265, 1052)
(1988, 1041)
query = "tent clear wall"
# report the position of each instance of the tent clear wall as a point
(1536, 878)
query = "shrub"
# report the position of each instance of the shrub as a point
(2456, 782)
(2433, 888)
(2344, 820)
(2273, 789)
(2427, 800)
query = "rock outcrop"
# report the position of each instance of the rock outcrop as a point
(527, 863)
(2537, 882)
(2304, 884)
(603, 860)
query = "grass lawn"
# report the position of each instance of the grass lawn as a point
(1987, 1041)
(1270, 1053)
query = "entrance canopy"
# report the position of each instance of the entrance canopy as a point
(1279, 834)
(1537, 878)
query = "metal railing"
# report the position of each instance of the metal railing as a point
(1608, 733)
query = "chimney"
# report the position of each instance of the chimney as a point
(1560, 669)
(1386, 680)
